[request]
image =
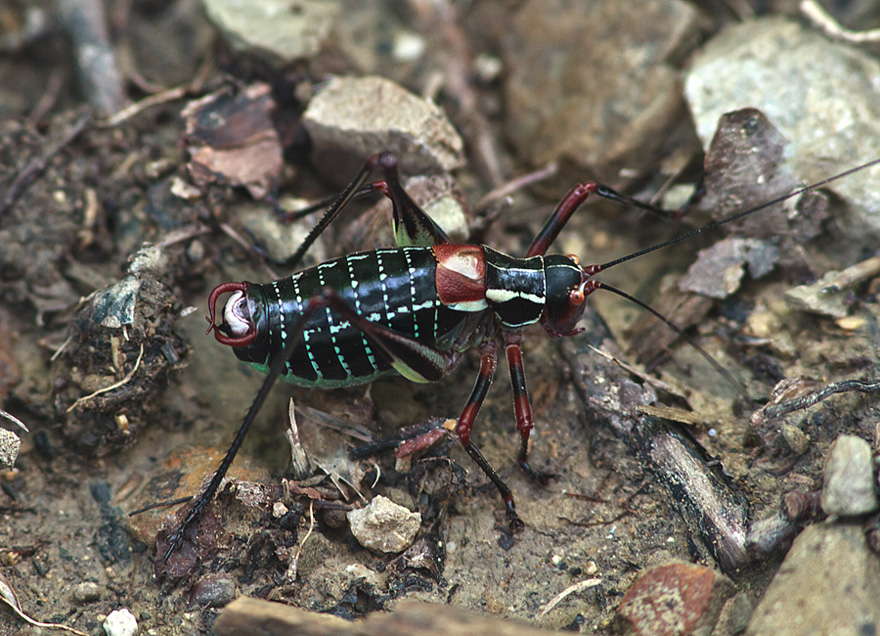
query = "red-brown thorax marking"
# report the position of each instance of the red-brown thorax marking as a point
(461, 275)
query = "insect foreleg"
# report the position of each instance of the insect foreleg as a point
(573, 200)
(411, 225)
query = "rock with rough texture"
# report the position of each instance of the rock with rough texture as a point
(718, 271)
(821, 95)
(120, 622)
(276, 30)
(828, 584)
(86, 592)
(593, 85)
(384, 525)
(676, 598)
(848, 487)
(350, 119)
(9, 447)
(214, 590)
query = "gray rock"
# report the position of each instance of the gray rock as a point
(832, 294)
(86, 592)
(9, 447)
(276, 30)
(848, 487)
(593, 85)
(384, 525)
(821, 95)
(718, 271)
(350, 119)
(828, 584)
(734, 616)
(214, 590)
(281, 239)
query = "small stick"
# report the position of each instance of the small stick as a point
(806, 401)
(98, 70)
(115, 385)
(37, 165)
(815, 12)
(580, 586)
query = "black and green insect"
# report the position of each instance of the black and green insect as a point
(414, 310)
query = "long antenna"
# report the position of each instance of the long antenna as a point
(739, 215)
(681, 334)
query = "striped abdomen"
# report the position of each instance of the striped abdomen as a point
(395, 288)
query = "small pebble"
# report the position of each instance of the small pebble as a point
(737, 613)
(120, 622)
(384, 525)
(796, 439)
(213, 591)
(848, 481)
(9, 446)
(86, 592)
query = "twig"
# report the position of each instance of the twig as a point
(33, 170)
(292, 568)
(148, 102)
(178, 92)
(115, 385)
(517, 184)
(8, 596)
(98, 70)
(13, 419)
(439, 16)
(814, 11)
(580, 586)
(183, 234)
(50, 96)
(806, 401)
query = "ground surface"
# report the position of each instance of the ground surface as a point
(66, 545)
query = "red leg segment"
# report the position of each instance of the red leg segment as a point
(521, 404)
(566, 207)
(488, 364)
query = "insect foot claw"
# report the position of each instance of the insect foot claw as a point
(543, 478)
(515, 524)
(538, 476)
(178, 546)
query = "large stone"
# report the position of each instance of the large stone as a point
(821, 95)
(350, 119)
(828, 584)
(593, 85)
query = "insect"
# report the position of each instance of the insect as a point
(414, 310)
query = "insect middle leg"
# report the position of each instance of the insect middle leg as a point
(420, 363)
(488, 364)
(521, 403)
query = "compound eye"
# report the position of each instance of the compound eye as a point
(237, 315)
(576, 297)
